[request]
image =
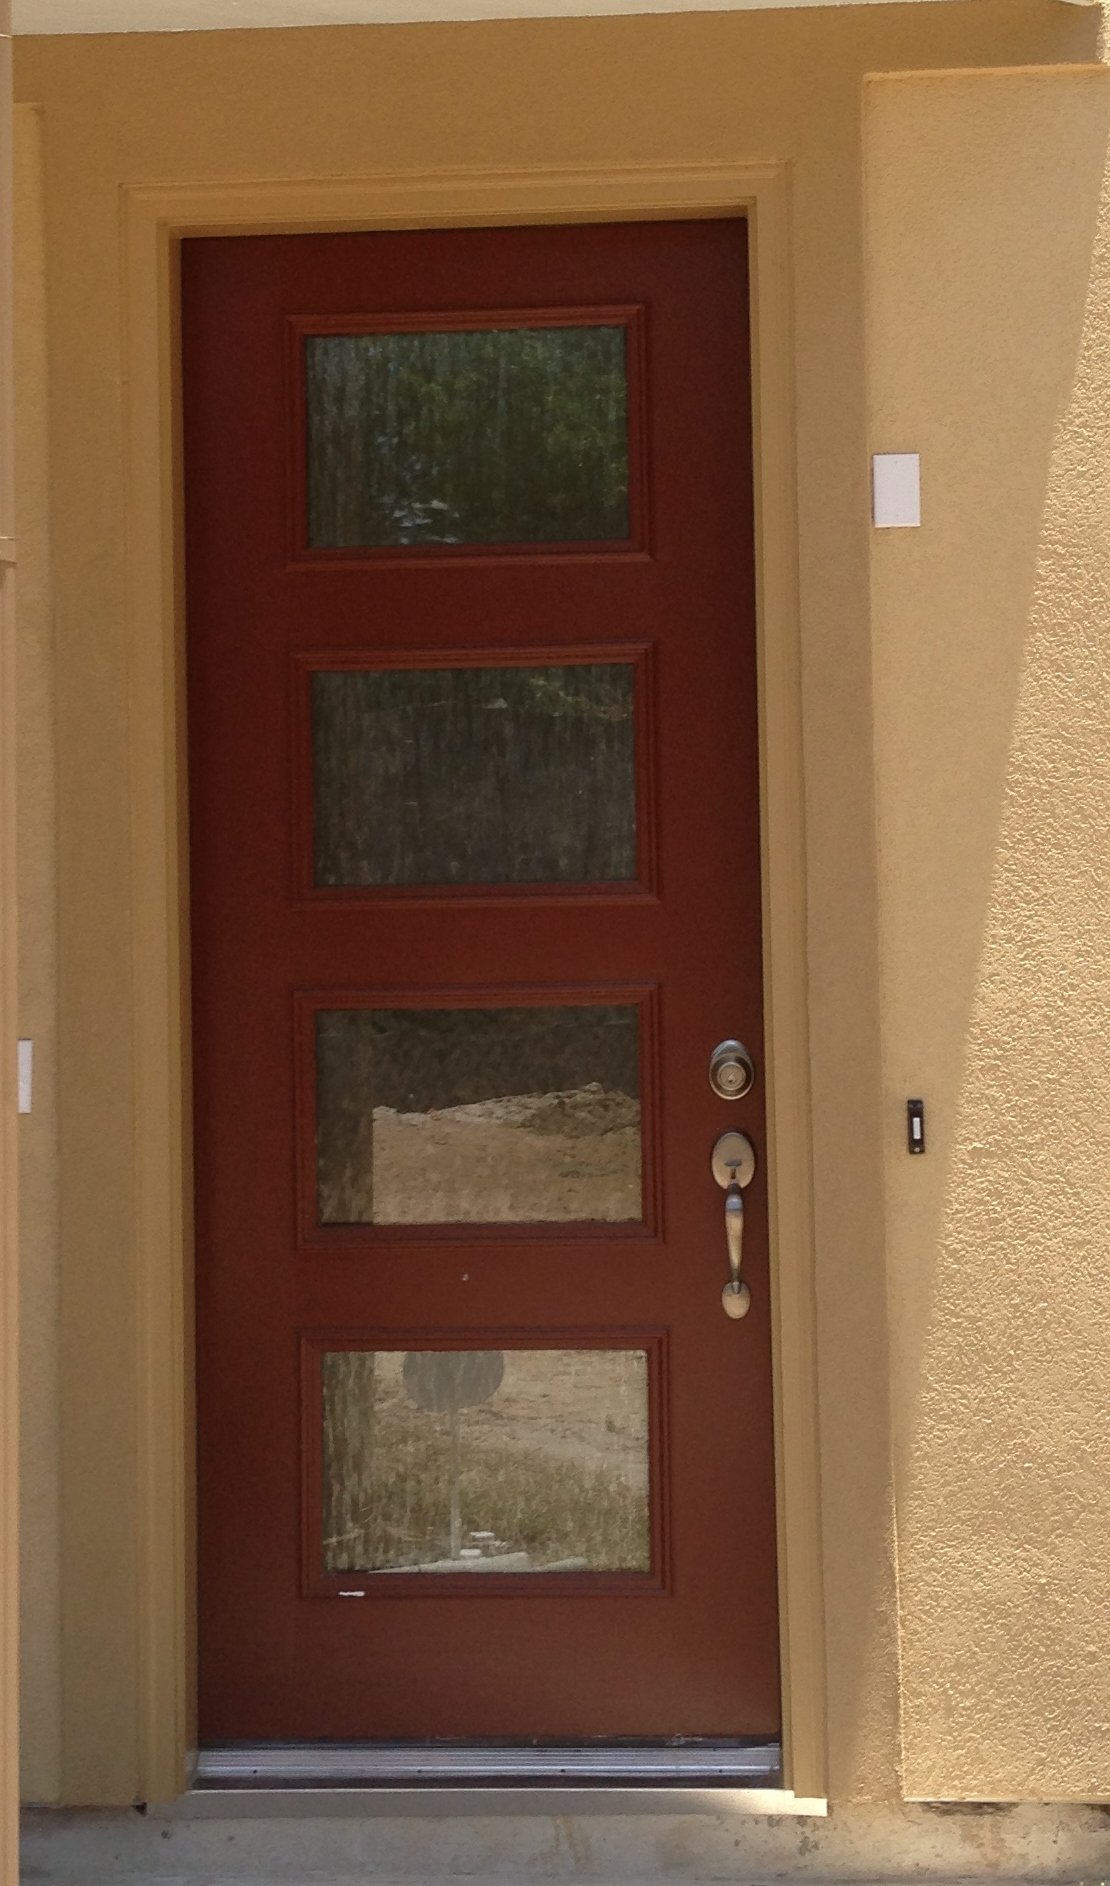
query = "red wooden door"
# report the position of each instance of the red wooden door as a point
(475, 893)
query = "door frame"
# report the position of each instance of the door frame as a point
(154, 220)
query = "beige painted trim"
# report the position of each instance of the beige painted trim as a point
(9, 1137)
(154, 218)
(206, 16)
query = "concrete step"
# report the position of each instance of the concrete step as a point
(598, 1837)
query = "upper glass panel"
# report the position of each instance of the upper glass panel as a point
(488, 436)
(478, 1116)
(474, 775)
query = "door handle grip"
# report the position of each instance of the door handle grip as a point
(736, 1298)
(734, 1229)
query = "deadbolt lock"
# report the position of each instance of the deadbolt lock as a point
(731, 1070)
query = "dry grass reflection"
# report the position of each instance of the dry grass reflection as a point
(549, 1472)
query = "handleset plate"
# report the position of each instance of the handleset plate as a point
(734, 1158)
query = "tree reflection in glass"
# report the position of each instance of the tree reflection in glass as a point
(494, 436)
(474, 775)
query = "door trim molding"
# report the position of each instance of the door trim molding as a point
(154, 217)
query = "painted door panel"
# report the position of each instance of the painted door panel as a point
(380, 1177)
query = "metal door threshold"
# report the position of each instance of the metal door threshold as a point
(424, 1765)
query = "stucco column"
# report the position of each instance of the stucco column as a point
(988, 245)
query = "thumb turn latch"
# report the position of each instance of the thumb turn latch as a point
(734, 1168)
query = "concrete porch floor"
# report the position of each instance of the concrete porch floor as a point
(343, 1838)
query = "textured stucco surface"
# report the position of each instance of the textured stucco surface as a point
(989, 348)
(729, 87)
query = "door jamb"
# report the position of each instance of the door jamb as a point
(154, 219)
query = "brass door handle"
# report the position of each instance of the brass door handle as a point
(733, 1168)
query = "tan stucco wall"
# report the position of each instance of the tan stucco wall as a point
(989, 252)
(608, 91)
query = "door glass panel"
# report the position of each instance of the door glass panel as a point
(495, 436)
(477, 1116)
(474, 775)
(488, 1461)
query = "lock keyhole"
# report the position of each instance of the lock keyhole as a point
(731, 1070)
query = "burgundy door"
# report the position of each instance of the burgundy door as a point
(475, 895)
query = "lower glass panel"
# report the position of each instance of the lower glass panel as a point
(459, 1461)
(478, 1116)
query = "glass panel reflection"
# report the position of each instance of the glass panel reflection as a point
(474, 775)
(504, 435)
(489, 1461)
(477, 1116)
